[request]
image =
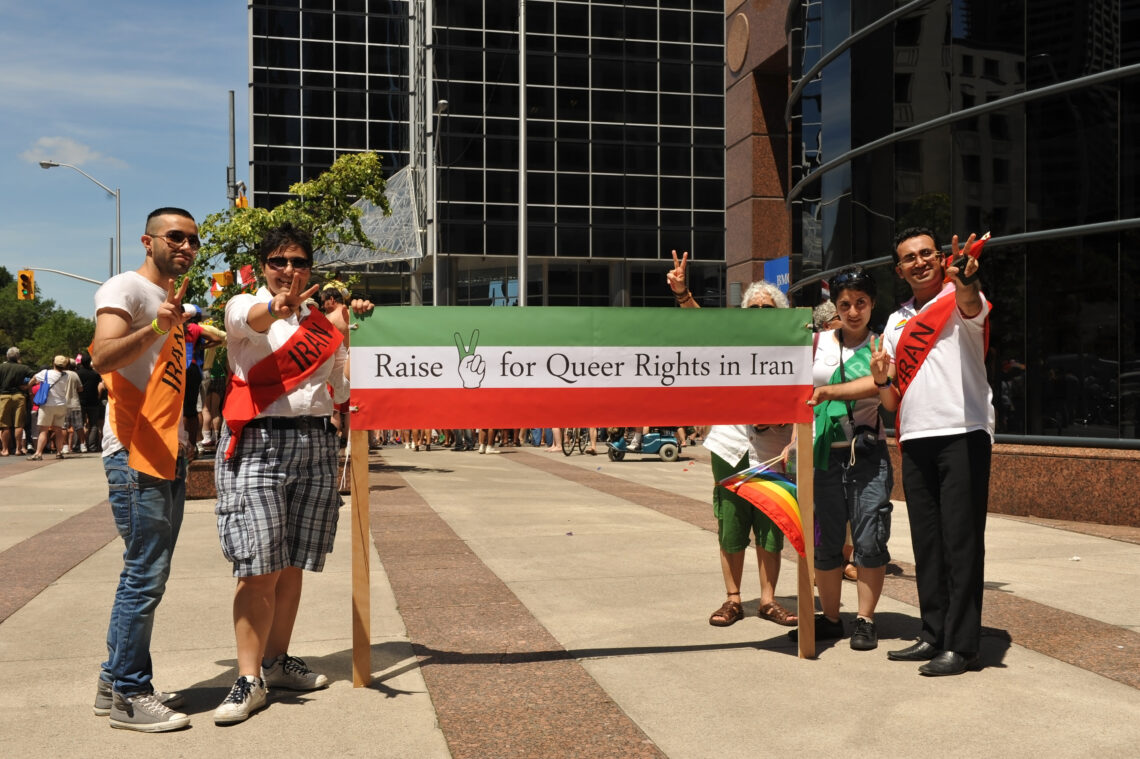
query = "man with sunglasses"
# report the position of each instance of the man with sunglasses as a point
(139, 349)
(931, 368)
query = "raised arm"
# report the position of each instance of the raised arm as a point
(969, 296)
(116, 344)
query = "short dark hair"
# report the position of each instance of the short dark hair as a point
(167, 211)
(332, 292)
(851, 278)
(908, 233)
(284, 236)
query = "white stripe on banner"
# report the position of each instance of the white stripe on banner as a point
(432, 367)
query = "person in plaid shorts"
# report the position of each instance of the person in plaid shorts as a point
(276, 462)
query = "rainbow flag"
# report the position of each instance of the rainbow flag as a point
(775, 495)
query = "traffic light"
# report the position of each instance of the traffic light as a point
(26, 286)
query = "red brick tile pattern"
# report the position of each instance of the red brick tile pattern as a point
(502, 686)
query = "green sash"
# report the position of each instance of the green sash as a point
(829, 414)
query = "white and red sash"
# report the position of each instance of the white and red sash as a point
(920, 334)
(314, 342)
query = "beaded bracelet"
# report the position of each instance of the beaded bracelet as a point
(157, 330)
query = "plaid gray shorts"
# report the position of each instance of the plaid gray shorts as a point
(277, 499)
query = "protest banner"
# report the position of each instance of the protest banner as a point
(485, 367)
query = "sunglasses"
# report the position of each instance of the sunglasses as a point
(926, 254)
(176, 238)
(766, 305)
(848, 278)
(279, 263)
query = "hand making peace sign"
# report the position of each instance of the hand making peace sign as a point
(285, 303)
(171, 313)
(880, 360)
(676, 277)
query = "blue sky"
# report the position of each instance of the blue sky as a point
(134, 92)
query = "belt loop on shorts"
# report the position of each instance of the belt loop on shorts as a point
(322, 423)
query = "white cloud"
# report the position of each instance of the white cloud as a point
(67, 150)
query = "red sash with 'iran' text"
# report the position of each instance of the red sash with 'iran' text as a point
(314, 342)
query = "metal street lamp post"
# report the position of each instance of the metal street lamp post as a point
(109, 191)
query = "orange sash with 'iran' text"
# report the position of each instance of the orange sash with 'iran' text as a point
(146, 421)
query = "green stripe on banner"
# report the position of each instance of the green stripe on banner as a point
(584, 326)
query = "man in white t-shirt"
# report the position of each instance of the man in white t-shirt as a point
(139, 349)
(931, 367)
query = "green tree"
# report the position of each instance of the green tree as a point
(322, 206)
(38, 327)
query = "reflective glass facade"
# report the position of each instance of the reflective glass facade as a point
(1056, 173)
(624, 124)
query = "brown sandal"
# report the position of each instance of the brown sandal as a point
(729, 613)
(773, 612)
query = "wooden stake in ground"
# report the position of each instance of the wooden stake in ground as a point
(361, 534)
(805, 494)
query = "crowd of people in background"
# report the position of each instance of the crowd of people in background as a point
(67, 419)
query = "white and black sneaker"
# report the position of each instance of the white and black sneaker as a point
(247, 696)
(290, 672)
(145, 713)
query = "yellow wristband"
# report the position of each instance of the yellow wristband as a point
(157, 330)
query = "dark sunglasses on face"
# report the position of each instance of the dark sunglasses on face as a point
(280, 262)
(766, 305)
(176, 238)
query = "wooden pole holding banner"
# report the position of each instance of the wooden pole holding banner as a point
(361, 533)
(805, 494)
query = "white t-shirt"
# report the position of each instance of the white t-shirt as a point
(138, 296)
(949, 395)
(828, 354)
(246, 347)
(57, 392)
(732, 441)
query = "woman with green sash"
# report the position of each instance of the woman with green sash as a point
(852, 469)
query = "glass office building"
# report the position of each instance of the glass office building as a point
(1019, 117)
(620, 106)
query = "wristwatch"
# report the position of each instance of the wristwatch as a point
(885, 384)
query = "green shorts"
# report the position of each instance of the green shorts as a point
(736, 518)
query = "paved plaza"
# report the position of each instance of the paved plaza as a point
(529, 604)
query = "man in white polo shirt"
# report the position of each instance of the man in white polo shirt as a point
(930, 366)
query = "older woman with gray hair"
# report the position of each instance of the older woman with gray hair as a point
(735, 447)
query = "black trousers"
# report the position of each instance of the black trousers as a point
(947, 481)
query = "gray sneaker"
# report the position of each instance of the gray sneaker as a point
(145, 713)
(104, 700)
(290, 672)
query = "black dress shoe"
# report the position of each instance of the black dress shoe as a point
(920, 651)
(949, 663)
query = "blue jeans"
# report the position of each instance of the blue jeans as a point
(148, 513)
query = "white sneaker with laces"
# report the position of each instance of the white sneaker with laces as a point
(290, 672)
(247, 695)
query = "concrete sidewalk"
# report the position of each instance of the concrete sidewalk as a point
(529, 604)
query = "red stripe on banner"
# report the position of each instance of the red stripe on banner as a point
(555, 407)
